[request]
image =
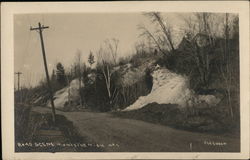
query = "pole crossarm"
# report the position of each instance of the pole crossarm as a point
(40, 27)
(18, 73)
(43, 27)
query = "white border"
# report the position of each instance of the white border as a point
(7, 11)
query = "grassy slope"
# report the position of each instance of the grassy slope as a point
(30, 124)
(206, 120)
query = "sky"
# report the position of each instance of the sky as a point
(69, 33)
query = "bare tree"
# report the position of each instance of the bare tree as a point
(107, 59)
(157, 18)
(208, 25)
(201, 32)
(156, 39)
(112, 46)
(140, 47)
(78, 71)
(190, 26)
(226, 71)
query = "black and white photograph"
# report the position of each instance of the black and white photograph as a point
(142, 81)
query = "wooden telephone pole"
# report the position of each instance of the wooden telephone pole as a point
(18, 80)
(40, 29)
(18, 85)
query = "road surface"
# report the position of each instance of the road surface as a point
(129, 135)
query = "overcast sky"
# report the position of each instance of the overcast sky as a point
(68, 33)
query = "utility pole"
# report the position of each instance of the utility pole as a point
(68, 82)
(18, 80)
(80, 80)
(18, 84)
(40, 29)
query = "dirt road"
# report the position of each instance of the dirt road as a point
(127, 135)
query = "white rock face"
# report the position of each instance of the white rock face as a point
(70, 92)
(168, 88)
(171, 88)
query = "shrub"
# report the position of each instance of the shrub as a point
(124, 60)
(201, 119)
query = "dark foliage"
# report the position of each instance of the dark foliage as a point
(96, 97)
(60, 74)
(129, 94)
(183, 61)
(148, 79)
(197, 118)
(28, 124)
(91, 59)
(22, 114)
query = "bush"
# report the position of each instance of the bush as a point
(95, 95)
(200, 119)
(124, 60)
(184, 61)
(28, 124)
(22, 115)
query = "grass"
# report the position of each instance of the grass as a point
(207, 120)
(29, 124)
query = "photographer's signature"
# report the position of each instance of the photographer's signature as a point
(214, 143)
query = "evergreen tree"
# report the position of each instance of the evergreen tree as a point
(91, 59)
(53, 76)
(60, 74)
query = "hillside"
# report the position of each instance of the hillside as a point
(66, 95)
(172, 88)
